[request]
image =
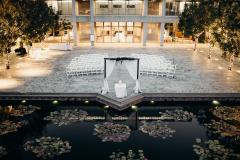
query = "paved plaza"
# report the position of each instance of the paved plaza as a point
(194, 74)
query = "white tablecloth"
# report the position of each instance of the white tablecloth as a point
(120, 90)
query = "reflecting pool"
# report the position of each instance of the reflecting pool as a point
(88, 132)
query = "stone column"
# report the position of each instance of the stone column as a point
(92, 36)
(162, 23)
(162, 33)
(144, 32)
(74, 23)
(164, 8)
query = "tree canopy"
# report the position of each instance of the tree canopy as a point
(11, 24)
(40, 17)
(220, 18)
(29, 20)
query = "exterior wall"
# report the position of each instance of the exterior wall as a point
(152, 14)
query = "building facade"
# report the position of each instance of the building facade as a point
(121, 21)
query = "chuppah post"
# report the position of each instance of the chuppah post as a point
(105, 68)
(137, 68)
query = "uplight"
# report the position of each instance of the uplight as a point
(55, 102)
(106, 107)
(152, 102)
(134, 107)
(24, 101)
(215, 102)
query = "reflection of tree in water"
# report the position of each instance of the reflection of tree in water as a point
(212, 150)
(34, 128)
(220, 126)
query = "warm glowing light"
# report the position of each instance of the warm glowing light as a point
(201, 51)
(86, 102)
(55, 102)
(134, 107)
(216, 59)
(238, 71)
(24, 65)
(9, 83)
(23, 101)
(215, 102)
(152, 102)
(33, 72)
(106, 107)
(220, 67)
(37, 54)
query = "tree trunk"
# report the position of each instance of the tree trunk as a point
(61, 37)
(69, 37)
(195, 44)
(224, 54)
(209, 51)
(8, 63)
(53, 34)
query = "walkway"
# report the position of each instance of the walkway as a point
(195, 73)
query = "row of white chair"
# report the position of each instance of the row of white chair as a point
(84, 65)
(167, 72)
(155, 65)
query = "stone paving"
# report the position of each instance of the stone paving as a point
(194, 74)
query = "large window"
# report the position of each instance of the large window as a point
(172, 8)
(118, 7)
(153, 32)
(84, 32)
(118, 32)
(83, 7)
(62, 6)
(153, 7)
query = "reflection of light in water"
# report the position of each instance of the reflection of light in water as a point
(33, 72)
(9, 83)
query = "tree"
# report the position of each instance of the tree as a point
(29, 20)
(219, 18)
(195, 19)
(65, 25)
(41, 19)
(227, 28)
(11, 23)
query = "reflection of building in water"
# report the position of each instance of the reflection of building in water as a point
(121, 21)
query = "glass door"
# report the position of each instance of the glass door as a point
(118, 32)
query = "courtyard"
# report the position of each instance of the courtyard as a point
(195, 73)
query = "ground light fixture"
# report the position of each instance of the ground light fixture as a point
(152, 102)
(215, 102)
(23, 101)
(55, 102)
(86, 102)
(106, 107)
(134, 108)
